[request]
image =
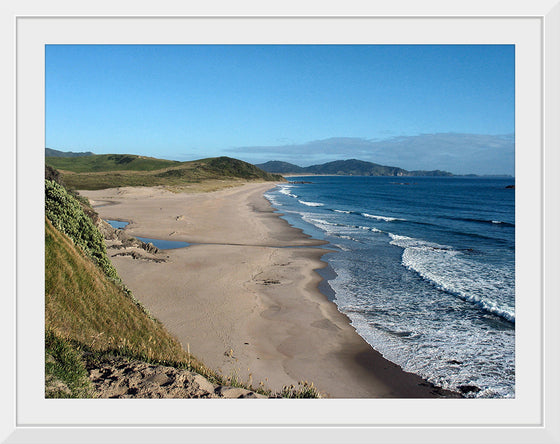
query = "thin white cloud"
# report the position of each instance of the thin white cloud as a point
(454, 152)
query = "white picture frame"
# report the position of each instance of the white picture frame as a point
(532, 417)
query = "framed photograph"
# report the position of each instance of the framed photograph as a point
(522, 39)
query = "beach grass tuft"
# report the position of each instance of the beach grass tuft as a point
(303, 389)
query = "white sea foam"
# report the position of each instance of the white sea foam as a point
(311, 204)
(285, 189)
(451, 271)
(343, 236)
(273, 201)
(448, 354)
(342, 211)
(384, 218)
(372, 229)
(315, 221)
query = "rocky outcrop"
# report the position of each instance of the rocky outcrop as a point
(137, 255)
(116, 239)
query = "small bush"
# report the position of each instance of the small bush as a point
(67, 214)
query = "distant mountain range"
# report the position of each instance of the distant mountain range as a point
(351, 167)
(49, 152)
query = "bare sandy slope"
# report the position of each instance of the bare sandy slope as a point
(241, 299)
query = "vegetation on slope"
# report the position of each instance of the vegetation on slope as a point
(117, 170)
(90, 315)
(83, 306)
(65, 373)
(226, 166)
(66, 213)
(87, 309)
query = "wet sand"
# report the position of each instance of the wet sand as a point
(243, 301)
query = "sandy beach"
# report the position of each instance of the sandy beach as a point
(243, 297)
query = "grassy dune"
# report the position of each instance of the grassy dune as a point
(118, 170)
(110, 162)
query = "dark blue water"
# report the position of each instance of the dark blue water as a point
(424, 269)
(158, 243)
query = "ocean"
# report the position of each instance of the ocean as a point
(424, 267)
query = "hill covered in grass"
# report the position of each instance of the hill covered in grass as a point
(118, 170)
(109, 162)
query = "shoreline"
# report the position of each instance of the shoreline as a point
(241, 301)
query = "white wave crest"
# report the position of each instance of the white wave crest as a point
(342, 211)
(384, 218)
(319, 221)
(272, 200)
(448, 270)
(372, 229)
(286, 191)
(310, 204)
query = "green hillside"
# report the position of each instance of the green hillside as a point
(109, 171)
(109, 162)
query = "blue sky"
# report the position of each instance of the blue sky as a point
(416, 107)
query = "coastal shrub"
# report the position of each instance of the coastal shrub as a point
(67, 214)
(65, 373)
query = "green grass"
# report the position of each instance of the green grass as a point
(85, 173)
(109, 162)
(67, 214)
(65, 373)
(83, 305)
(302, 390)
